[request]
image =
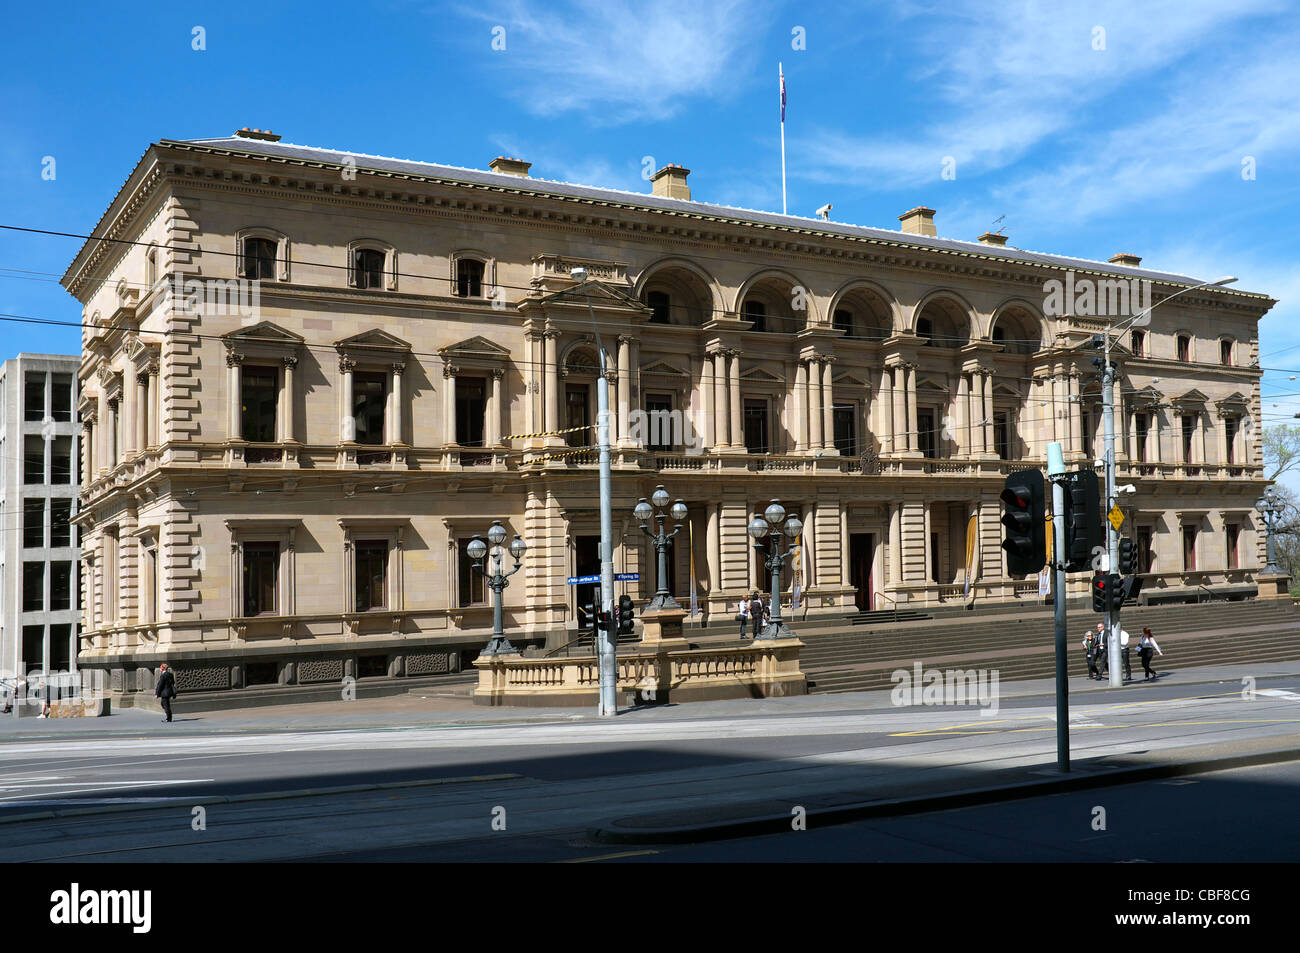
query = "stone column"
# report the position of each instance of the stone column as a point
(234, 386)
(551, 388)
(1153, 437)
(130, 410)
(531, 386)
(1122, 426)
(801, 404)
(737, 427)
(816, 439)
(809, 546)
(398, 430)
(708, 414)
(900, 409)
(963, 414)
(713, 548)
(114, 421)
(449, 403)
(287, 428)
(1076, 415)
(912, 418)
(624, 386)
(1055, 402)
(143, 411)
(493, 435)
(987, 418)
(896, 543)
(828, 406)
(155, 407)
(887, 407)
(722, 414)
(348, 423)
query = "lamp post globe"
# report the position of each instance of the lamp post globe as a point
(497, 534)
(774, 513)
(517, 548)
(793, 527)
(678, 511)
(659, 497)
(643, 511)
(476, 549)
(758, 528)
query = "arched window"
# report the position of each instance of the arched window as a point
(660, 303)
(259, 259)
(372, 265)
(469, 278)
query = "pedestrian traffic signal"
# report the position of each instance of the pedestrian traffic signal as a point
(1128, 590)
(1083, 529)
(1105, 591)
(625, 614)
(1128, 557)
(1024, 510)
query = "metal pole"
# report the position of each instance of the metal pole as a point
(608, 665)
(1112, 535)
(1056, 473)
(774, 567)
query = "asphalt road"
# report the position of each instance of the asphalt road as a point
(534, 791)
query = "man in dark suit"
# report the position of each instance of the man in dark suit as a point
(165, 690)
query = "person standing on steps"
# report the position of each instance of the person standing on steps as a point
(756, 614)
(1146, 646)
(165, 690)
(742, 615)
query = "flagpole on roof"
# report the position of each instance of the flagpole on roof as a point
(780, 70)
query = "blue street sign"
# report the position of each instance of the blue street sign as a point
(627, 576)
(580, 580)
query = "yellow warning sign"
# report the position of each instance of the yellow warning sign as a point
(1116, 517)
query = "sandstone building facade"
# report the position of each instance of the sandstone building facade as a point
(311, 376)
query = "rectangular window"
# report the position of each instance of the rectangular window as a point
(1002, 436)
(473, 591)
(755, 425)
(60, 585)
(1139, 341)
(1184, 348)
(61, 522)
(33, 587)
(469, 278)
(659, 416)
(261, 578)
(660, 307)
(33, 523)
(369, 398)
(1189, 548)
(1145, 558)
(259, 259)
(1142, 423)
(260, 394)
(33, 459)
(755, 311)
(372, 575)
(1230, 439)
(843, 321)
(1225, 353)
(471, 407)
(61, 460)
(934, 557)
(61, 398)
(1232, 536)
(34, 647)
(925, 441)
(577, 414)
(369, 268)
(61, 650)
(1188, 423)
(34, 397)
(846, 429)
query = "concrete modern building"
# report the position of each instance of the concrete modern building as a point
(40, 613)
(311, 377)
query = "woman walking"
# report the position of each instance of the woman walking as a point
(1147, 645)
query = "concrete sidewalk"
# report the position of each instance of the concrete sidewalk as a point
(397, 711)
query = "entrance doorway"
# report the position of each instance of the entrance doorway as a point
(861, 546)
(586, 562)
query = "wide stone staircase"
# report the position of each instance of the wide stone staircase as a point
(847, 657)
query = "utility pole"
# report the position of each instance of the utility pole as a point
(607, 664)
(1056, 473)
(1112, 534)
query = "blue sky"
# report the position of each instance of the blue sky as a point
(1135, 146)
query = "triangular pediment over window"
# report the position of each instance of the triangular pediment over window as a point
(757, 375)
(373, 340)
(849, 380)
(475, 347)
(1144, 397)
(264, 332)
(1192, 398)
(662, 369)
(1234, 401)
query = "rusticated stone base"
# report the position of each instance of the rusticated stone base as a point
(1273, 586)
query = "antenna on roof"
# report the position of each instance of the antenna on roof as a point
(998, 221)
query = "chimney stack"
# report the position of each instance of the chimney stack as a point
(918, 221)
(510, 166)
(993, 238)
(1124, 258)
(264, 134)
(670, 182)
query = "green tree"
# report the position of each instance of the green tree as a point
(1281, 449)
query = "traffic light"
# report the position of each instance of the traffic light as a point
(1024, 510)
(1128, 557)
(1105, 591)
(1128, 590)
(1083, 532)
(625, 614)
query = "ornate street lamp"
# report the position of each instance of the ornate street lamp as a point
(1271, 510)
(643, 511)
(497, 580)
(770, 525)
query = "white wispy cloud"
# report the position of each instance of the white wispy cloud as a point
(624, 61)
